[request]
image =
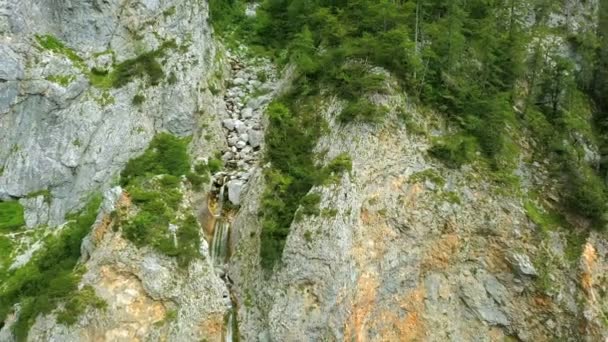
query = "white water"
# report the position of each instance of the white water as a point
(219, 243)
(228, 337)
(219, 254)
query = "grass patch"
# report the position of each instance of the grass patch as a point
(51, 43)
(166, 154)
(11, 216)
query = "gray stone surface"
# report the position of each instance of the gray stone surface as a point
(235, 188)
(70, 140)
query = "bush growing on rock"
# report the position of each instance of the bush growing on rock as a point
(153, 182)
(50, 277)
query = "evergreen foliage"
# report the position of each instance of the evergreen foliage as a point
(477, 61)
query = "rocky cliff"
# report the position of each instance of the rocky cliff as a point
(68, 125)
(398, 247)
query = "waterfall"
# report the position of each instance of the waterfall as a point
(219, 243)
(229, 334)
(219, 254)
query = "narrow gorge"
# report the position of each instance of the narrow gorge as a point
(294, 170)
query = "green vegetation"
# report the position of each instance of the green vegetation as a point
(46, 193)
(166, 154)
(51, 43)
(63, 80)
(428, 174)
(474, 61)
(454, 150)
(153, 181)
(11, 216)
(78, 303)
(138, 99)
(145, 66)
(51, 276)
(291, 137)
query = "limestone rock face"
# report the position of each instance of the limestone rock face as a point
(149, 297)
(61, 133)
(401, 260)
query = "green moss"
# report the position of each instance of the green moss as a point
(451, 197)
(428, 174)
(328, 213)
(172, 79)
(546, 220)
(169, 11)
(308, 236)
(63, 80)
(11, 216)
(46, 193)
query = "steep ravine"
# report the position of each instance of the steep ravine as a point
(402, 248)
(246, 100)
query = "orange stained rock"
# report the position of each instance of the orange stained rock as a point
(441, 253)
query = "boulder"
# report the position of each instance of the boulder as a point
(255, 138)
(522, 264)
(235, 187)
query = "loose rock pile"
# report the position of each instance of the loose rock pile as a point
(251, 89)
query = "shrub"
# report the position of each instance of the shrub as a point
(586, 193)
(310, 204)
(166, 154)
(138, 99)
(215, 165)
(50, 277)
(455, 150)
(362, 110)
(153, 181)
